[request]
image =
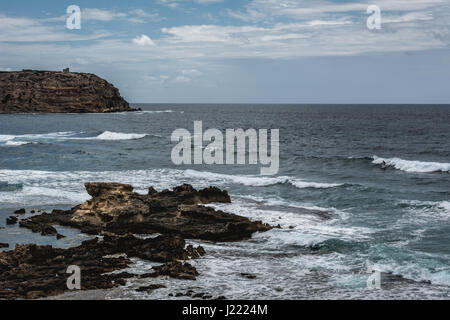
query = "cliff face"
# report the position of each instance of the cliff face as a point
(31, 91)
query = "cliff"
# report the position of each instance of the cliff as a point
(31, 91)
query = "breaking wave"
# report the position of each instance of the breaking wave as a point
(258, 181)
(413, 166)
(49, 184)
(108, 135)
(20, 140)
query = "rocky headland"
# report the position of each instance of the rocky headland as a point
(32, 91)
(116, 215)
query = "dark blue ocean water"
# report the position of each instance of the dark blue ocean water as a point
(395, 219)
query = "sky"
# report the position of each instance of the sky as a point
(232, 51)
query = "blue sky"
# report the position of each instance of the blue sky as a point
(230, 51)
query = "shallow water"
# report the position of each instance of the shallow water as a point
(397, 219)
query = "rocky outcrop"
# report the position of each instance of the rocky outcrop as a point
(31, 91)
(115, 208)
(32, 271)
(116, 212)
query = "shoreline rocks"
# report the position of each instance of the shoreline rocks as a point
(115, 208)
(32, 271)
(116, 213)
(33, 91)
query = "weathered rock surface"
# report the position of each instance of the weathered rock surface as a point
(32, 91)
(115, 208)
(32, 271)
(115, 212)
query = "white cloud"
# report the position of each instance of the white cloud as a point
(182, 79)
(100, 15)
(19, 29)
(423, 27)
(191, 72)
(141, 16)
(156, 79)
(169, 3)
(143, 40)
(263, 10)
(207, 1)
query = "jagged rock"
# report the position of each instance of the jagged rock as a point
(4, 245)
(42, 228)
(20, 211)
(32, 271)
(32, 91)
(116, 208)
(11, 220)
(150, 288)
(175, 269)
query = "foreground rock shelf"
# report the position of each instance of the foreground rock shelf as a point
(115, 213)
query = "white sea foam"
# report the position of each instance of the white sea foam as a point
(17, 143)
(109, 135)
(159, 111)
(18, 140)
(421, 212)
(73, 181)
(257, 181)
(413, 166)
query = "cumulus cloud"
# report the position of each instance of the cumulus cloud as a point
(143, 40)
(420, 25)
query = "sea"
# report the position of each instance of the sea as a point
(361, 190)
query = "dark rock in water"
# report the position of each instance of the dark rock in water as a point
(195, 253)
(20, 211)
(60, 236)
(199, 295)
(32, 271)
(11, 220)
(175, 269)
(150, 288)
(115, 208)
(390, 280)
(42, 228)
(4, 245)
(248, 275)
(32, 91)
